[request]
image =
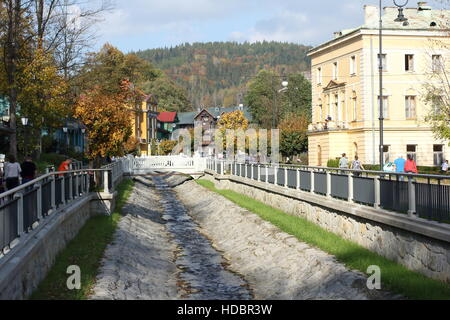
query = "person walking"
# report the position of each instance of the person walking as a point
(400, 163)
(444, 167)
(29, 170)
(357, 165)
(64, 166)
(343, 163)
(12, 173)
(410, 165)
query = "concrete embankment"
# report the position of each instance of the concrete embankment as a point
(276, 265)
(181, 241)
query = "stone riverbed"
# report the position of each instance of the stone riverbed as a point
(178, 240)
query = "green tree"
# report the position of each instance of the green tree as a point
(171, 97)
(297, 98)
(294, 139)
(260, 98)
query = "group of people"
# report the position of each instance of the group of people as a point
(400, 165)
(11, 171)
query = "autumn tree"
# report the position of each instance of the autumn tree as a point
(106, 116)
(293, 139)
(231, 121)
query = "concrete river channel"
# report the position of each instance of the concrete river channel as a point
(203, 267)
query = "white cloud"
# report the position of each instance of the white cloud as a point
(169, 15)
(285, 26)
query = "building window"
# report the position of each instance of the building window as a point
(353, 65)
(386, 153)
(320, 113)
(337, 111)
(335, 71)
(411, 151)
(410, 107)
(436, 62)
(409, 62)
(385, 106)
(355, 109)
(438, 154)
(382, 61)
(319, 75)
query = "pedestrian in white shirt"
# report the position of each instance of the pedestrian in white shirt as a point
(444, 167)
(12, 173)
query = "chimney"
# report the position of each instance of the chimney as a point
(371, 15)
(423, 5)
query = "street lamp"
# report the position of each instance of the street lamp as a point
(284, 84)
(400, 18)
(25, 124)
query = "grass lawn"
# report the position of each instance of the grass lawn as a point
(394, 276)
(86, 251)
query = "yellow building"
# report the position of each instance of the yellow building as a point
(345, 89)
(144, 124)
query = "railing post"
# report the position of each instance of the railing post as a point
(312, 181)
(411, 197)
(53, 192)
(245, 170)
(222, 172)
(105, 182)
(328, 184)
(350, 187)
(19, 196)
(285, 177)
(63, 189)
(251, 171)
(267, 174)
(39, 200)
(377, 188)
(71, 186)
(275, 178)
(298, 179)
(259, 172)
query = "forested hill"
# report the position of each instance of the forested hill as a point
(216, 73)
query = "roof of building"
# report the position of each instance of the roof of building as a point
(423, 18)
(167, 117)
(187, 118)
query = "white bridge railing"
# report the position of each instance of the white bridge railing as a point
(181, 164)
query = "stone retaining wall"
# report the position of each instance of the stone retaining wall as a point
(27, 264)
(415, 251)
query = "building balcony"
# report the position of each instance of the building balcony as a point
(328, 126)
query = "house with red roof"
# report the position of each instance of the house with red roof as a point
(167, 123)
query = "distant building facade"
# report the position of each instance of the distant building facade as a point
(345, 89)
(144, 123)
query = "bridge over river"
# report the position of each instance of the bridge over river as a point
(178, 240)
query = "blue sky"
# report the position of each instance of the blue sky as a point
(145, 24)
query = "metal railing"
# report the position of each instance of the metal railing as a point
(418, 195)
(24, 208)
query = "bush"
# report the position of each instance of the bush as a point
(333, 163)
(54, 159)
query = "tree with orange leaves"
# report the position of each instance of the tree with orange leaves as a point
(294, 139)
(106, 117)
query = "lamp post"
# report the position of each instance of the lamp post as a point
(285, 84)
(25, 124)
(66, 136)
(83, 132)
(403, 19)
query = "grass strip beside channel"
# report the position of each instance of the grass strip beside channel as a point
(86, 251)
(395, 277)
